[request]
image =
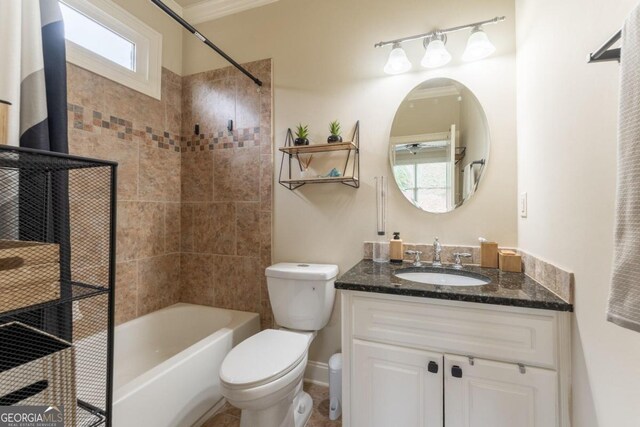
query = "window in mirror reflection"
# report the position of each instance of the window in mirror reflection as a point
(428, 185)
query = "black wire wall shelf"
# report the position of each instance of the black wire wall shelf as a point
(293, 153)
(57, 283)
(79, 291)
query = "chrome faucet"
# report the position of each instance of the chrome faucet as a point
(416, 259)
(437, 248)
(458, 261)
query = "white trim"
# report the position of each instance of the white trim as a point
(317, 373)
(209, 10)
(148, 74)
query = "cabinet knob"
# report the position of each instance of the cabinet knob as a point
(456, 371)
(432, 367)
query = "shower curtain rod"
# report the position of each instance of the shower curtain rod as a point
(166, 9)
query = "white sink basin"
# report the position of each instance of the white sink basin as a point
(444, 279)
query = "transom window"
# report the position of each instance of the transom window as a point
(104, 38)
(91, 35)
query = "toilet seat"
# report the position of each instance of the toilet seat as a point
(263, 358)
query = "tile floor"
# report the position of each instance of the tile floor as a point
(230, 416)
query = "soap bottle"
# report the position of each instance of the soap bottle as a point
(395, 249)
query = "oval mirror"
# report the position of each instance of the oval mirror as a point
(439, 145)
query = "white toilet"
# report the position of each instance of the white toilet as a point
(263, 374)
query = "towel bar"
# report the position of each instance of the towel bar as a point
(604, 54)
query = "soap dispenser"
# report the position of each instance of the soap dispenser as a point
(395, 249)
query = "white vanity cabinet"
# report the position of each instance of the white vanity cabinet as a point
(497, 394)
(397, 386)
(411, 361)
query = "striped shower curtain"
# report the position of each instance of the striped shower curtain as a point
(33, 73)
(33, 79)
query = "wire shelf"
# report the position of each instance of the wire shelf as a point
(79, 291)
(57, 277)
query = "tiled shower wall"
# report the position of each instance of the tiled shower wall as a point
(112, 122)
(226, 189)
(194, 213)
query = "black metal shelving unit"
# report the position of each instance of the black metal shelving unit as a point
(291, 151)
(57, 283)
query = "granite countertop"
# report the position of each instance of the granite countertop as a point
(513, 289)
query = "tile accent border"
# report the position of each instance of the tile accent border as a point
(121, 128)
(555, 279)
(244, 137)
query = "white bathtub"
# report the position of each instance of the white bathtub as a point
(167, 363)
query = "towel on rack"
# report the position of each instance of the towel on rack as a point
(624, 297)
(468, 181)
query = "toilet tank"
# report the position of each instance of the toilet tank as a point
(301, 294)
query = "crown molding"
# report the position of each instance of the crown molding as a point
(433, 92)
(209, 10)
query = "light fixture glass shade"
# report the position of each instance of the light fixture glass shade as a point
(436, 55)
(478, 46)
(398, 61)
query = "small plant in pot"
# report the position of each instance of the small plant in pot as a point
(302, 135)
(334, 129)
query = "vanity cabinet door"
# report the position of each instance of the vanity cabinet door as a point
(395, 386)
(496, 394)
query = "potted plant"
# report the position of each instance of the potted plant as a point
(334, 129)
(302, 135)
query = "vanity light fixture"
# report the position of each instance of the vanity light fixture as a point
(436, 54)
(478, 46)
(398, 62)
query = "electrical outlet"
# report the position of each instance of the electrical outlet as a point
(523, 205)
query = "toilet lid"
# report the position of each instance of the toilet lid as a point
(302, 271)
(264, 357)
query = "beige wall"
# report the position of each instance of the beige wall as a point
(171, 31)
(325, 67)
(566, 163)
